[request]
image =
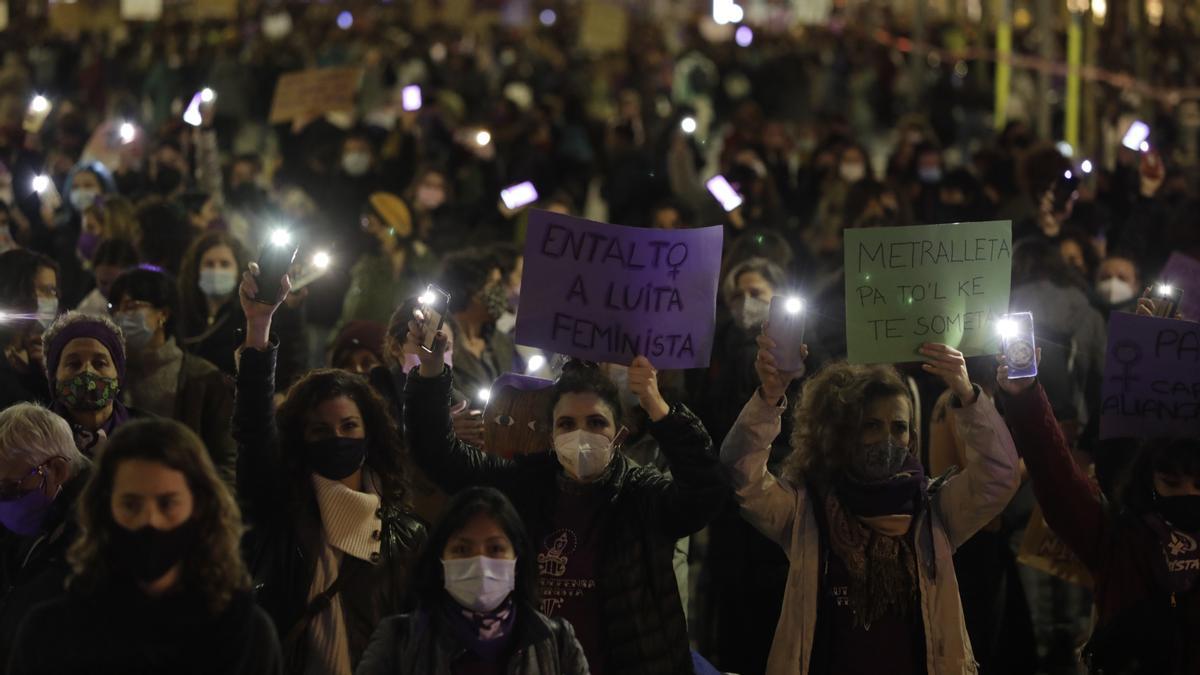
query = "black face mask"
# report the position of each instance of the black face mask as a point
(147, 554)
(336, 458)
(1182, 512)
(167, 179)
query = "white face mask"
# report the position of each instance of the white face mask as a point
(1115, 291)
(480, 583)
(47, 310)
(582, 454)
(852, 173)
(356, 163)
(750, 312)
(217, 282)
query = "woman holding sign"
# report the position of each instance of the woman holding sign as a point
(605, 530)
(1141, 550)
(870, 538)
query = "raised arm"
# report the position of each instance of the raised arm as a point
(259, 454)
(448, 461)
(767, 503)
(696, 490)
(971, 499)
(1070, 502)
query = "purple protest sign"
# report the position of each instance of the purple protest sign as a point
(1184, 271)
(1151, 378)
(609, 293)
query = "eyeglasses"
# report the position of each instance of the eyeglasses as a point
(11, 489)
(130, 306)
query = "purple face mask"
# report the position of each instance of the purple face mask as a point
(87, 245)
(26, 514)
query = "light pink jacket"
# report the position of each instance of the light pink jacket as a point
(963, 505)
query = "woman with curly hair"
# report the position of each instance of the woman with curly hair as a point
(157, 584)
(871, 584)
(324, 485)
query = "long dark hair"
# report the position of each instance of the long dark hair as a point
(193, 308)
(18, 292)
(465, 505)
(1135, 486)
(215, 567)
(386, 451)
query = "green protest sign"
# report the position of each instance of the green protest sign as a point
(928, 283)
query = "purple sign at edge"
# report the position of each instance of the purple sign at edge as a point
(609, 293)
(1151, 378)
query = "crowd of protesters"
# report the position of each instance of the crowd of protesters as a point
(199, 474)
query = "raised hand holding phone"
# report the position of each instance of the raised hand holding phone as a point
(773, 380)
(1161, 300)
(1010, 385)
(425, 336)
(258, 314)
(273, 263)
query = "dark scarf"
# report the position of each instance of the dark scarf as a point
(485, 634)
(86, 439)
(882, 567)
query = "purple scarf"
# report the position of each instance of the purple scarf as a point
(900, 494)
(86, 439)
(485, 634)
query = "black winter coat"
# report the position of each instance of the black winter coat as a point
(121, 630)
(34, 569)
(645, 628)
(285, 540)
(418, 644)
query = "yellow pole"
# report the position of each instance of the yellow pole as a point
(1003, 65)
(1074, 59)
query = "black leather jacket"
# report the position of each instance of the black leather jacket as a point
(417, 643)
(285, 538)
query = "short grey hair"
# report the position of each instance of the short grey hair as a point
(73, 317)
(35, 435)
(768, 270)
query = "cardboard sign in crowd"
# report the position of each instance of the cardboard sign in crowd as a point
(906, 286)
(609, 293)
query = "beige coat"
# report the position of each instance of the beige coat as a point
(964, 504)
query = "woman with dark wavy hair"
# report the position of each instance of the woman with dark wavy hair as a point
(157, 582)
(324, 485)
(871, 585)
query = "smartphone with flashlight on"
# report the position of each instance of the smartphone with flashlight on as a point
(519, 195)
(410, 98)
(1066, 188)
(785, 325)
(434, 303)
(314, 269)
(1018, 345)
(724, 193)
(36, 114)
(1167, 298)
(274, 262)
(1137, 136)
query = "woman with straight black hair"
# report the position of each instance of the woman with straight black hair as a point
(477, 606)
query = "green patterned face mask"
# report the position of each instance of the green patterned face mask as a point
(87, 391)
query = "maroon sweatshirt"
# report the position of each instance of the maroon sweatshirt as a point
(1123, 555)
